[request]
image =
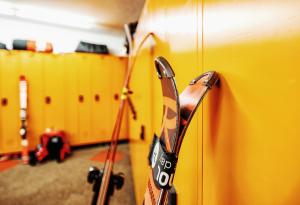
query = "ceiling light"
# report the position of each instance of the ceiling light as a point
(57, 17)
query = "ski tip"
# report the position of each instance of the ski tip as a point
(22, 77)
(163, 68)
(211, 78)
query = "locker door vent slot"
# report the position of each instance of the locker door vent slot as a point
(4, 101)
(81, 98)
(97, 98)
(48, 100)
(142, 133)
(116, 97)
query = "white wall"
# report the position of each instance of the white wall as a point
(64, 39)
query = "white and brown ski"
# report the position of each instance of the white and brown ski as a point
(178, 113)
(23, 117)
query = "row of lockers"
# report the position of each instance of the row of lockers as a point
(77, 93)
(242, 146)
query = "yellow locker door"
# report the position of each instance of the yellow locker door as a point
(118, 66)
(175, 25)
(71, 97)
(31, 65)
(143, 75)
(251, 121)
(54, 84)
(101, 75)
(10, 140)
(84, 98)
(143, 78)
(181, 35)
(2, 54)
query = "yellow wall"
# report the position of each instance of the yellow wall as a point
(10, 120)
(62, 78)
(176, 40)
(251, 122)
(242, 146)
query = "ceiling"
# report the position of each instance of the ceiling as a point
(107, 13)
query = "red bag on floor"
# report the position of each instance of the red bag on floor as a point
(54, 145)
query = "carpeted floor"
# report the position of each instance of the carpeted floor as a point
(53, 183)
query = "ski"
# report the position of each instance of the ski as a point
(177, 115)
(23, 117)
(104, 181)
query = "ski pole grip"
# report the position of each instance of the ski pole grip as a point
(163, 68)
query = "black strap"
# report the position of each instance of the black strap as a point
(132, 108)
(163, 164)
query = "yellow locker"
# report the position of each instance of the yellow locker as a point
(141, 84)
(118, 67)
(84, 98)
(10, 140)
(53, 83)
(71, 97)
(2, 53)
(177, 40)
(101, 82)
(199, 118)
(142, 80)
(251, 122)
(181, 23)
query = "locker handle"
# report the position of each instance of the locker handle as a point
(97, 98)
(80, 98)
(4, 101)
(48, 100)
(142, 133)
(116, 97)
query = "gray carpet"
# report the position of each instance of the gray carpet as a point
(64, 183)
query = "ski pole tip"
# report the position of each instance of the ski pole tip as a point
(163, 68)
(213, 79)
